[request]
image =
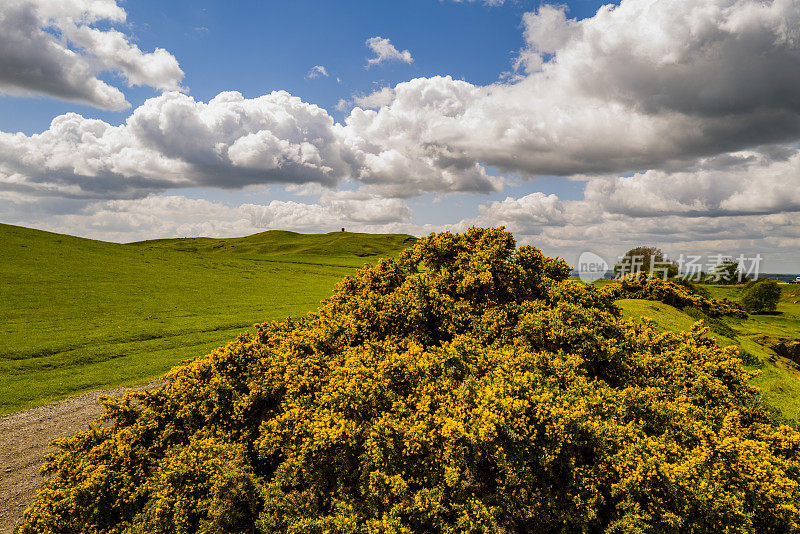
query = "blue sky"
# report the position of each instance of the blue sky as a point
(256, 47)
(260, 46)
(579, 125)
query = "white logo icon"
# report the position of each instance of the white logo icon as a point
(591, 267)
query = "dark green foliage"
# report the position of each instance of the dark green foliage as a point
(748, 358)
(647, 261)
(716, 324)
(727, 272)
(719, 326)
(763, 296)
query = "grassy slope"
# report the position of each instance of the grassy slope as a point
(79, 314)
(780, 378)
(336, 248)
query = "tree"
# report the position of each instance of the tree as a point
(727, 272)
(763, 296)
(646, 260)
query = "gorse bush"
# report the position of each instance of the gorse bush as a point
(468, 386)
(686, 283)
(719, 326)
(638, 286)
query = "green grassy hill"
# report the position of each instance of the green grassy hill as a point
(336, 248)
(780, 377)
(78, 314)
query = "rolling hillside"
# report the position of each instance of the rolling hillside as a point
(79, 314)
(335, 248)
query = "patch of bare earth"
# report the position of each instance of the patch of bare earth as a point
(25, 439)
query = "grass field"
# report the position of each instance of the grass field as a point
(780, 378)
(78, 314)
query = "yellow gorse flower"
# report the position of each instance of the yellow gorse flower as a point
(467, 386)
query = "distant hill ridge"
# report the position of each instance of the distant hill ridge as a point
(271, 242)
(284, 242)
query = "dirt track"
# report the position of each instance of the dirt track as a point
(24, 441)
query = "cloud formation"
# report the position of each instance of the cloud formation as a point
(411, 138)
(747, 203)
(672, 112)
(385, 51)
(174, 141)
(585, 103)
(747, 183)
(317, 71)
(742, 183)
(641, 85)
(158, 216)
(376, 99)
(56, 49)
(752, 207)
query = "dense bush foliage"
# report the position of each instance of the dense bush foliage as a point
(691, 286)
(672, 293)
(761, 296)
(721, 327)
(468, 386)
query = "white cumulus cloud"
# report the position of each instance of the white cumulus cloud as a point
(175, 141)
(642, 85)
(158, 216)
(385, 51)
(682, 118)
(586, 103)
(57, 49)
(748, 203)
(376, 99)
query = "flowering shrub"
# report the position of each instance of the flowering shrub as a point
(467, 386)
(654, 288)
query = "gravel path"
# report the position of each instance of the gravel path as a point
(24, 441)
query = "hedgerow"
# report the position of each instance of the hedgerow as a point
(639, 286)
(467, 386)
